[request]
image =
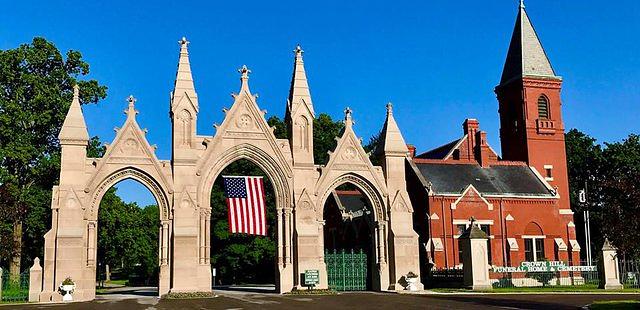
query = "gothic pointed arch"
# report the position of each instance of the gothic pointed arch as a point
(349, 163)
(129, 156)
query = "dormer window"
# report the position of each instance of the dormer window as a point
(543, 107)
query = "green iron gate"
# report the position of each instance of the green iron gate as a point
(347, 271)
(14, 288)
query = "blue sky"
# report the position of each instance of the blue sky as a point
(437, 61)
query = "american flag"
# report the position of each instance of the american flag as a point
(245, 202)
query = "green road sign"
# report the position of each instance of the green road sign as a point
(311, 277)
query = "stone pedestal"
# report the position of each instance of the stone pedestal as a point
(608, 267)
(475, 259)
(35, 281)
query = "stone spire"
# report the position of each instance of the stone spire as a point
(184, 80)
(391, 141)
(526, 56)
(299, 91)
(74, 129)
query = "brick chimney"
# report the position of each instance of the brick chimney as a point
(485, 155)
(470, 128)
(412, 150)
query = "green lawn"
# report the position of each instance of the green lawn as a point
(616, 304)
(119, 282)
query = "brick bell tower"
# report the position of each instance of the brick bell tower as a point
(531, 127)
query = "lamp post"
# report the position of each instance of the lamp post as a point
(582, 196)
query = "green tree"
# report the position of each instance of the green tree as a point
(242, 258)
(128, 239)
(37, 87)
(617, 192)
(611, 173)
(280, 127)
(325, 131)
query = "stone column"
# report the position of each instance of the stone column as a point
(1, 270)
(475, 259)
(280, 236)
(91, 243)
(35, 281)
(608, 267)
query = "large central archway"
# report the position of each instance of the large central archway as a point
(282, 192)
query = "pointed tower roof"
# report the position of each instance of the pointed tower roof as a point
(526, 56)
(299, 91)
(391, 140)
(184, 79)
(74, 129)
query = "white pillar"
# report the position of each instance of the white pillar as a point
(475, 258)
(35, 281)
(609, 272)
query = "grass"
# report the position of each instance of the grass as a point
(312, 292)
(189, 295)
(118, 282)
(13, 293)
(615, 304)
(539, 289)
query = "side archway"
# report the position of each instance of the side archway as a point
(378, 223)
(156, 189)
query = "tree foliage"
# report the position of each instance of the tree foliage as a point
(37, 87)
(611, 172)
(242, 258)
(128, 238)
(325, 131)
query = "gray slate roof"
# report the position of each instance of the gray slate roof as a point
(494, 180)
(440, 152)
(526, 56)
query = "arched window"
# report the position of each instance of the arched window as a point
(543, 107)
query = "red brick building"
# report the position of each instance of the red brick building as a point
(520, 200)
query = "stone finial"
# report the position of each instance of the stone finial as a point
(389, 108)
(244, 72)
(244, 78)
(298, 51)
(131, 111)
(522, 4)
(348, 120)
(607, 246)
(183, 42)
(76, 92)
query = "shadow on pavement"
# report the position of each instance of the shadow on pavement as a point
(248, 288)
(128, 292)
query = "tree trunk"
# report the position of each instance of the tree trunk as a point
(14, 268)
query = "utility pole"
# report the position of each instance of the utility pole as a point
(587, 226)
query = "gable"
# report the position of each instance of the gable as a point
(471, 197)
(130, 147)
(244, 123)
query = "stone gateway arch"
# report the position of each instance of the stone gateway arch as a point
(182, 188)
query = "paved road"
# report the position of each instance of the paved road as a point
(243, 300)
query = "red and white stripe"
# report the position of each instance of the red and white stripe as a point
(248, 215)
